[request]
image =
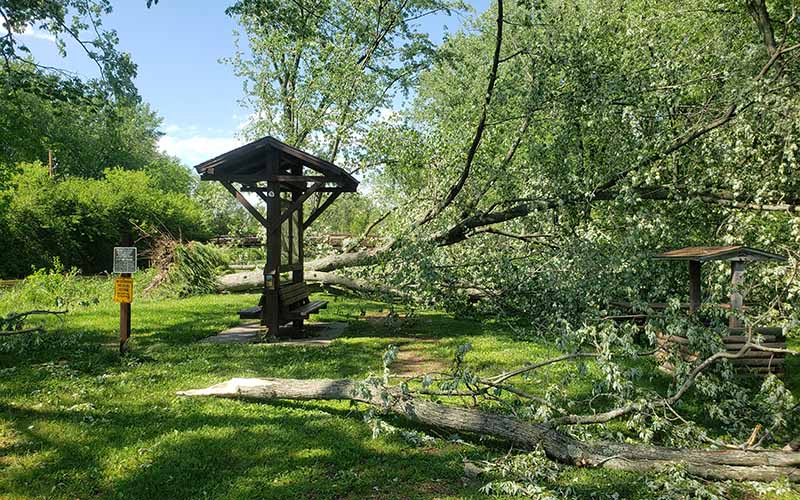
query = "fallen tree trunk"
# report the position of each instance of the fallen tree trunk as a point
(240, 282)
(354, 284)
(713, 464)
(244, 267)
(254, 280)
(359, 258)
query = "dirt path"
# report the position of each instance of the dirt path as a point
(413, 361)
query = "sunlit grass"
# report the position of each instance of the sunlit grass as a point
(78, 421)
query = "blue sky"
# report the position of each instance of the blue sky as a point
(177, 46)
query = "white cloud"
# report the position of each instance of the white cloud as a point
(41, 35)
(250, 119)
(196, 149)
(31, 33)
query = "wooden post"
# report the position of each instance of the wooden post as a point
(694, 285)
(737, 300)
(125, 308)
(270, 312)
(297, 229)
(124, 323)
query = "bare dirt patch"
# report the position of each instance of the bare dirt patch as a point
(412, 361)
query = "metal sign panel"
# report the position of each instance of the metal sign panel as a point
(124, 260)
(123, 290)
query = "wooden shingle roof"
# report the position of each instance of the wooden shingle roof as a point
(730, 253)
(246, 164)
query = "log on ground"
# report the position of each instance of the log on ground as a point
(254, 280)
(761, 465)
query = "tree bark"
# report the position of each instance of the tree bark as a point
(350, 259)
(711, 464)
(240, 282)
(254, 280)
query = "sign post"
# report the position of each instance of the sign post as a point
(124, 267)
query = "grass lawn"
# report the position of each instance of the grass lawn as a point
(76, 421)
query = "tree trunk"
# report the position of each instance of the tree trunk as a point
(241, 282)
(712, 464)
(254, 280)
(354, 284)
(359, 258)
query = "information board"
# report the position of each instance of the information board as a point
(124, 260)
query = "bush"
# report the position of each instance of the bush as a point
(81, 220)
(55, 288)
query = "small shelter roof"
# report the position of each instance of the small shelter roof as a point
(247, 165)
(730, 253)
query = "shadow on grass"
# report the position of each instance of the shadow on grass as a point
(211, 449)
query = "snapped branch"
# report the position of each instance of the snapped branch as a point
(478, 136)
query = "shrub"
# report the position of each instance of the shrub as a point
(80, 220)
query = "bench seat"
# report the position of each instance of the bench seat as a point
(305, 310)
(294, 304)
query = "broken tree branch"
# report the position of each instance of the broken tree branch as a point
(252, 280)
(14, 322)
(22, 315)
(711, 464)
(476, 139)
(7, 333)
(367, 231)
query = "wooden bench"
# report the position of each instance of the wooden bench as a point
(754, 361)
(294, 304)
(758, 361)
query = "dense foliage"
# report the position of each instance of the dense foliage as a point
(80, 220)
(43, 113)
(615, 130)
(318, 72)
(596, 135)
(77, 21)
(108, 176)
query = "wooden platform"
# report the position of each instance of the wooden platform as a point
(317, 334)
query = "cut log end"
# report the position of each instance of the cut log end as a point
(232, 388)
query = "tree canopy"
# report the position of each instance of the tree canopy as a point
(318, 71)
(610, 130)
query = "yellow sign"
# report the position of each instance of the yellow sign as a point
(123, 290)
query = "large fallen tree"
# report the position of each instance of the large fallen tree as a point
(747, 462)
(252, 280)
(760, 465)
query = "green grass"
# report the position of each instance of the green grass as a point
(76, 421)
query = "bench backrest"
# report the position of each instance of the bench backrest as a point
(292, 294)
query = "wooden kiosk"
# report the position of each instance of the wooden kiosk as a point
(738, 256)
(283, 177)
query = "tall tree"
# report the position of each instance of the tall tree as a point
(85, 131)
(318, 70)
(79, 21)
